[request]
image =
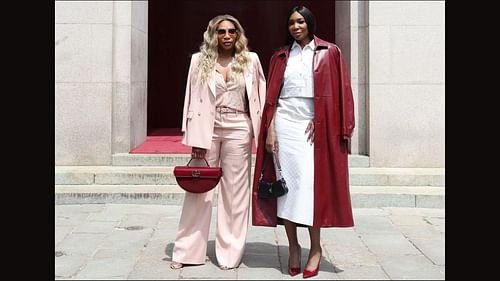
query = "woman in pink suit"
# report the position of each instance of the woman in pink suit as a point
(308, 119)
(225, 95)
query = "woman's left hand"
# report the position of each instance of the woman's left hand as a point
(310, 130)
(198, 153)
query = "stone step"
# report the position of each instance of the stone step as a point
(127, 159)
(361, 196)
(157, 175)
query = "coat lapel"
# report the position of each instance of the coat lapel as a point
(211, 83)
(248, 82)
(318, 55)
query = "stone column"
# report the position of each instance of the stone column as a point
(101, 80)
(130, 57)
(84, 82)
(351, 37)
(406, 84)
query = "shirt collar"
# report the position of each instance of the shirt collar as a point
(311, 45)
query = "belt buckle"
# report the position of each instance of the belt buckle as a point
(224, 109)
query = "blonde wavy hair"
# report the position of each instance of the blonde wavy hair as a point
(209, 48)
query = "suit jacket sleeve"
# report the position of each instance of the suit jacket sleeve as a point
(262, 85)
(346, 99)
(187, 97)
(262, 92)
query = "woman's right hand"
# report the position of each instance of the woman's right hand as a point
(271, 141)
(198, 153)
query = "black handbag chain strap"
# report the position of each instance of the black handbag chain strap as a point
(277, 161)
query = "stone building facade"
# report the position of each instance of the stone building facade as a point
(395, 52)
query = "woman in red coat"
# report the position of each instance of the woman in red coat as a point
(307, 122)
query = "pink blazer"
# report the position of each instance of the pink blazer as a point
(199, 103)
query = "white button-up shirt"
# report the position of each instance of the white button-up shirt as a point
(298, 79)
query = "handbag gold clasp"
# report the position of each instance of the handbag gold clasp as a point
(195, 174)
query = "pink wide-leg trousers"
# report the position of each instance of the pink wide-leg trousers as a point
(231, 150)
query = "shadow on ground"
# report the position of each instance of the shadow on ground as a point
(262, 255)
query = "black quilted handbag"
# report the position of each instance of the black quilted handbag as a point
(274, 189)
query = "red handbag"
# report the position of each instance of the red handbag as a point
(197, 179)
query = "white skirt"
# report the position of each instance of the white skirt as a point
(296, 156)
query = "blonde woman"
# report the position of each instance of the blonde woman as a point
(225, 95)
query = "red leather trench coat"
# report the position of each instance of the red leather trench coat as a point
(334, 123)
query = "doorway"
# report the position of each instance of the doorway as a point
(175, 30)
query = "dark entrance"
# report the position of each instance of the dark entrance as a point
(175, 30)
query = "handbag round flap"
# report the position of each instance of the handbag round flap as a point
(197, 179)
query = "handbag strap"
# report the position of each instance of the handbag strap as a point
(203, 159)
(277, 161)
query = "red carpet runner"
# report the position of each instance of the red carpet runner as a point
(166, 141)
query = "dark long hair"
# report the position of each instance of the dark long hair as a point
(308, 17)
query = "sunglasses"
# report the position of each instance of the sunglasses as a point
(231, 31)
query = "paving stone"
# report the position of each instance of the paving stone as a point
(134, 241)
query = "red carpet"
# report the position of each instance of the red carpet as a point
(166, 141)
